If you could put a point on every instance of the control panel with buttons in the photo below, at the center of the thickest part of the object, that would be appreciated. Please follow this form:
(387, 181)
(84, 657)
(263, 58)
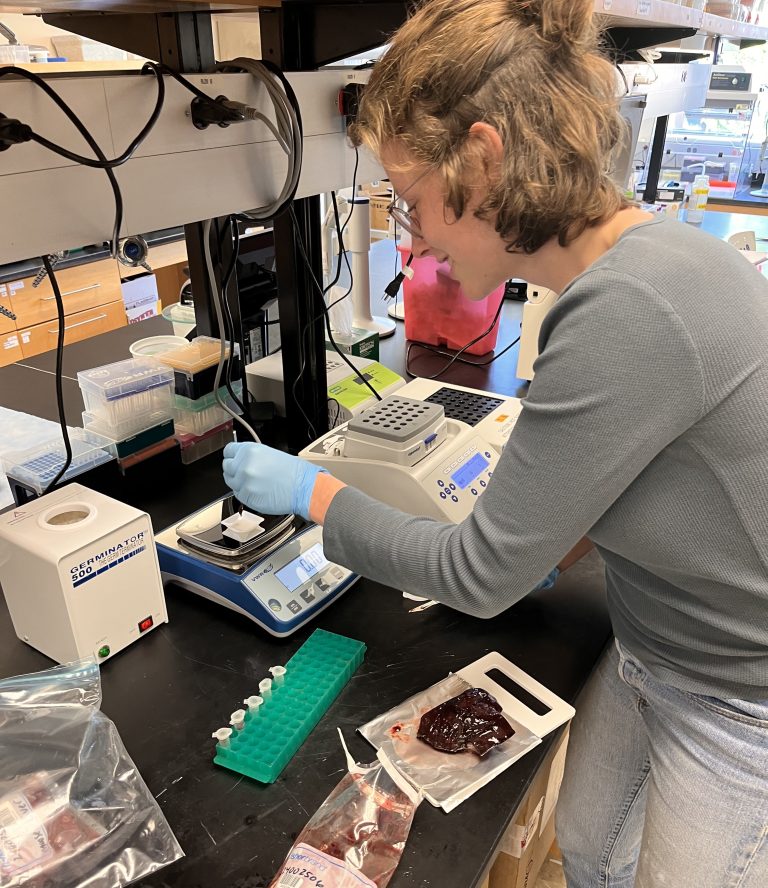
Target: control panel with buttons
(296, 578)
(462, 477)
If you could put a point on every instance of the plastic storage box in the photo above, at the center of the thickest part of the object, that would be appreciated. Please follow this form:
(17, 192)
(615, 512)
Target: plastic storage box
(196, 417)
(194, 366)
(37, 467)
(437, 311)
(181, 316)
(160, 428)
(194, 447)
(124, 397)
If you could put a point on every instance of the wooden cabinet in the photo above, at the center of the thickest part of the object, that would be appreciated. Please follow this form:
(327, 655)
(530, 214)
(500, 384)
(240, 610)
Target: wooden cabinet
(82, 287)
(77, 326)
(10, 348)
(93, 303)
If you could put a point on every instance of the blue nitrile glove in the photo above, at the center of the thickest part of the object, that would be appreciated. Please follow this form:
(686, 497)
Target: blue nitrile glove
(269, 481)
(547, 583)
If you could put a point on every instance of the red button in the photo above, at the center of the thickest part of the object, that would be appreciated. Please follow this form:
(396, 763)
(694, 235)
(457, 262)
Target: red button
(148, 623)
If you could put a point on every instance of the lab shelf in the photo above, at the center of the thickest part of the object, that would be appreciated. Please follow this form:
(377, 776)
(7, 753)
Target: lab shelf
(315, 676)
(652, 13)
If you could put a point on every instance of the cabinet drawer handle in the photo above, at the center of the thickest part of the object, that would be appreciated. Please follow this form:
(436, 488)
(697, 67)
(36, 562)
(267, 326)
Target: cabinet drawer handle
(72, 292)
(79, 323)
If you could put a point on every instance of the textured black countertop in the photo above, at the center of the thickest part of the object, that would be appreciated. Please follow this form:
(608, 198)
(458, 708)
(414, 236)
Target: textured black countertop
(167, 693)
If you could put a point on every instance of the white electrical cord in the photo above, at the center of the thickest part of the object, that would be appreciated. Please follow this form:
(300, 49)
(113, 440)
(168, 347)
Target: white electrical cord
(287, 133)
(217, 297)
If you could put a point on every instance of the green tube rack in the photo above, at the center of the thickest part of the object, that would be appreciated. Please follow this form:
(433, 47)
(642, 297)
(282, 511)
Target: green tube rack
(315, 675)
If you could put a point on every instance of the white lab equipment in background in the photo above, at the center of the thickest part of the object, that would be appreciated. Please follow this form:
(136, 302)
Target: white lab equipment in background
(348, 394)
(535, 310)
(357, 243)
(492, 416)
(408, 454)
(80, 574)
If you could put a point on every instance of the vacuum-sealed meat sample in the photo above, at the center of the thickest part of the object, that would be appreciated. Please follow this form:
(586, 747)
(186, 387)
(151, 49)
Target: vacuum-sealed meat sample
(473, 720)
(355, 838)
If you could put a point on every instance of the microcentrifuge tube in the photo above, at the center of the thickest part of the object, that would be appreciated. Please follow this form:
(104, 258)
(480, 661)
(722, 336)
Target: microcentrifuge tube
(278, 673)
(237, 719)
(265, 688)
(222, 735)
(253, 702)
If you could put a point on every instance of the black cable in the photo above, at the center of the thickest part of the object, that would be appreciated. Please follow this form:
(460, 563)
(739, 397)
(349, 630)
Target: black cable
(93, 144)
(230, 324)
(457, 355)
(302, 337)
(445, 354)
(59, 375)
(186, 84)
(325, 309)
(130, 150)
(332, 424)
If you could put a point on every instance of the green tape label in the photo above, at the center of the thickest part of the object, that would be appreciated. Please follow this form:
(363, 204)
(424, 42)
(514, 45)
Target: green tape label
(352, 390)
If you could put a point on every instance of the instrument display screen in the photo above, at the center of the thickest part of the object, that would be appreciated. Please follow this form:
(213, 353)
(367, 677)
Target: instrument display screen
(467, 473)
(298, 571)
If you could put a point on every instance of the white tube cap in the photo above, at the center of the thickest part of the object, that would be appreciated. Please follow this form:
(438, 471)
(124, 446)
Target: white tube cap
(222, 735)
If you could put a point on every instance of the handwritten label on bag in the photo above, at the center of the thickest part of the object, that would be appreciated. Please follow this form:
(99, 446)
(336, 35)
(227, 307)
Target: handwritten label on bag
(306, 867)
(23, 838)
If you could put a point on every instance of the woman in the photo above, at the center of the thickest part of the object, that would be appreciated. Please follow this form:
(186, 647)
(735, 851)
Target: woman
(645, 429)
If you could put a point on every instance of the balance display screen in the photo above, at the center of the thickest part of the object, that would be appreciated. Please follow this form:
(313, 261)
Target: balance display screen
(298, 571)
(469, 471)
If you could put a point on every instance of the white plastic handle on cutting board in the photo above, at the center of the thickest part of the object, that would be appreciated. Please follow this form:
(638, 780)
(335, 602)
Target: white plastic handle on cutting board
(476, 674)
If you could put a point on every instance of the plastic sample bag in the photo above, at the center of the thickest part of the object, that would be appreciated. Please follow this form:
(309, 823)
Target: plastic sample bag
(356, 837)
(73, 809)
(446, 779)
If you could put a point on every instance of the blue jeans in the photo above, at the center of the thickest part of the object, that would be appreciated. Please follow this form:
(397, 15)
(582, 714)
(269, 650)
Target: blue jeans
(663, 787)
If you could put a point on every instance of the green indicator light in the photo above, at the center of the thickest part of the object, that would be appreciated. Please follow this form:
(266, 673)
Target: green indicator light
(104, 651)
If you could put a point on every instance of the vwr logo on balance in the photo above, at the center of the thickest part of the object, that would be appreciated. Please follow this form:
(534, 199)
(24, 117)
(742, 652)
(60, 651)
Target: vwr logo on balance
(107, 559)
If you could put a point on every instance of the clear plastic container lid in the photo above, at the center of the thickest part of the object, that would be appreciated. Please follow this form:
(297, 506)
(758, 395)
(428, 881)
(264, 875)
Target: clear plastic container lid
(178, 313)
(127, 428)
(39, 465)
(129, 377)
(201, 353)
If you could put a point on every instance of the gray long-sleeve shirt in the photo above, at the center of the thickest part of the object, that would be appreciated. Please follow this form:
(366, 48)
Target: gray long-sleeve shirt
(645, 429)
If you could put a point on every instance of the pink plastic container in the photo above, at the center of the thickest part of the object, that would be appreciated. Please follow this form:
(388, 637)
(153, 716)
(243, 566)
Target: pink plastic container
(437, 311)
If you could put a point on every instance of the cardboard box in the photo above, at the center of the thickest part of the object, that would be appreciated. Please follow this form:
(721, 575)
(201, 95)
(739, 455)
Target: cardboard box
(527, 842)
(140, 297)
(361, 344)
(379, 215)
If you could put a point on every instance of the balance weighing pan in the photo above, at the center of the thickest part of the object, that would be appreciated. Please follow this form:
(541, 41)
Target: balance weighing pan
(204, 533)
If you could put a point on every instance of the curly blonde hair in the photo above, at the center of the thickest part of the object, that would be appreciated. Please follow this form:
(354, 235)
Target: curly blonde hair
(533, 70)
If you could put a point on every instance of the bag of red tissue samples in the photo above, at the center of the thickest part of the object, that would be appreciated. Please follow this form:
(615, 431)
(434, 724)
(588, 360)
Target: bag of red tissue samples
(356, 837)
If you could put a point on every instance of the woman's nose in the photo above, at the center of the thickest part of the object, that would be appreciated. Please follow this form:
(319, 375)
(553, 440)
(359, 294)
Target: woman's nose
(419, 247)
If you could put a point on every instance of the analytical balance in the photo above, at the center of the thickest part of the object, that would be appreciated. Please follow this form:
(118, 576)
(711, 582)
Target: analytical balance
(278, 576)
(410, 455)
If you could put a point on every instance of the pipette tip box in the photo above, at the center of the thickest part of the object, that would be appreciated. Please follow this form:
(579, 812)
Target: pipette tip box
(126, 397)
(315, 676)
(35, 468)
(194, 366)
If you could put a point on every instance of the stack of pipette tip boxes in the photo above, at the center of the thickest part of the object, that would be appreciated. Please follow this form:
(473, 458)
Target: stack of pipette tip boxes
(263, 737)
(130, 402)
(202, 424)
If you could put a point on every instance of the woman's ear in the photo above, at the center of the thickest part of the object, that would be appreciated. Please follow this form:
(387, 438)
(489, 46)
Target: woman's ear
(485, 142)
